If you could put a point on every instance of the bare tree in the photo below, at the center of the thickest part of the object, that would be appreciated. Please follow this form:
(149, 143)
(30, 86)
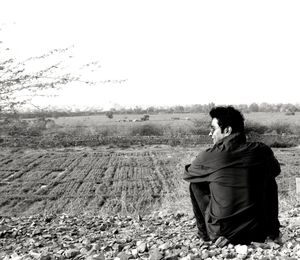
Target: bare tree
(21, 80)
(18, 84)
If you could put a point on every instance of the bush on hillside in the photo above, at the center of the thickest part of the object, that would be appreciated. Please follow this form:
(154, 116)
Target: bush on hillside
(281, 128)
(201, 127)
(147, 130)
(19, 127)
(255, 127)
(282, 144)
(180, 130)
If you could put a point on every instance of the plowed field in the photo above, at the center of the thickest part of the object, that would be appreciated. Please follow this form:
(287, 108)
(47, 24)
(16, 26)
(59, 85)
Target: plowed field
(105, 180)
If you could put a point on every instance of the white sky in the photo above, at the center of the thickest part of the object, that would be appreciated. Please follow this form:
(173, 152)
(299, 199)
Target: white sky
(170, 52)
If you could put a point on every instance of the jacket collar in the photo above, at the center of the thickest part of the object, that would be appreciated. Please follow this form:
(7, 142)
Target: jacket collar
(231, 141)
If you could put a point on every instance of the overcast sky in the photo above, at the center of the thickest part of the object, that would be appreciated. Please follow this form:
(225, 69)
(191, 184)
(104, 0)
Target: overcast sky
(167, 52)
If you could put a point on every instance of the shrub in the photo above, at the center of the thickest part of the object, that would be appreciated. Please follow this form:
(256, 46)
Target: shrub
(77, 130)
(147, 130)
(251, 126)
(201, 127)
(282, 144)
(295, 129)
(289, 113)
(20, 127)
(178, 130)
(281, 128)
(106, 131)
(109, 114)
(17, 128)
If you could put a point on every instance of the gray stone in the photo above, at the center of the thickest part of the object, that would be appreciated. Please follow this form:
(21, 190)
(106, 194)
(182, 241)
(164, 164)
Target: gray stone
(71, 253)
(155, 254)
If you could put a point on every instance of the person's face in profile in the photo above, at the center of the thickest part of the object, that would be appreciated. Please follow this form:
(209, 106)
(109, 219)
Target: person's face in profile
(216, 132)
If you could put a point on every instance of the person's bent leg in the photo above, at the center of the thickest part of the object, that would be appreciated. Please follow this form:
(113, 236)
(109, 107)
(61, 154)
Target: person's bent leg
(200, 196)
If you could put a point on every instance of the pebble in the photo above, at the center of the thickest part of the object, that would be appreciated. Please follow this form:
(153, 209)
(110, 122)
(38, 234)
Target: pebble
(71, 253)
(164, 246)
(142, 247)
(241, 249)
(155, 254)
(96, 257)
(134, 252)
(145, 241)
(122, 256)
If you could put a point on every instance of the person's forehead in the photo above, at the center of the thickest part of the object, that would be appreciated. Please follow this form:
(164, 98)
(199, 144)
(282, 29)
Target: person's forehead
(214, 122)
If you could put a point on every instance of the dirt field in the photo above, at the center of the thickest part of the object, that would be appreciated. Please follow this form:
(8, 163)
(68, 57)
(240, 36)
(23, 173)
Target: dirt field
(102, 179)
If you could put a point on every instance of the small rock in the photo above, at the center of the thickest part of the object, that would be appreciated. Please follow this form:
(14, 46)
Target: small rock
(260, 245)
(46, 257)
(164, 246)
(71, 253)
(126, 247)
(47, 236)
(188, 257)
(35, 255)
(241, 249)
(243, 256)
(230, 246)
(172, 257)
(122, 256)
(273, 245)
(96, 257)
(36, 232)
(103, 227)
(134, 252)
(178, 215)
(84, 251)
(195, 250)
(289, 245)
(106, 248)
(205, 254)
(115, 231)
(142, 247)
(128, 239)
(155, 254)
(15, 256)
(118, 247)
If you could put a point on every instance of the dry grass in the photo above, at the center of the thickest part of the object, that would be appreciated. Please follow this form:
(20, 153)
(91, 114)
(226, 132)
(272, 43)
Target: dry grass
(98, 130)
(166, 119)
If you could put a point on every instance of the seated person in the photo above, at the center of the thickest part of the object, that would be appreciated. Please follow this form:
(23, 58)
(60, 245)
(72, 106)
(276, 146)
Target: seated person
(232, 185)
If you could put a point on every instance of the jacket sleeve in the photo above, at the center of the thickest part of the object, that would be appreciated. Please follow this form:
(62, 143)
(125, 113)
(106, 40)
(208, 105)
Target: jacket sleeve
(273, 165)
(271, 203)
(196, 171)
(275, 168)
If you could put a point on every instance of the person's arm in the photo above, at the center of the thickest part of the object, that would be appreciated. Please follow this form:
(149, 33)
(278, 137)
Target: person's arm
(272, 224)
(273, 165)
(196, 171)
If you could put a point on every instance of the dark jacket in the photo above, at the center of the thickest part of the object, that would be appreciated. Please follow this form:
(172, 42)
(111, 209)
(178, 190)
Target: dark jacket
(244, 198)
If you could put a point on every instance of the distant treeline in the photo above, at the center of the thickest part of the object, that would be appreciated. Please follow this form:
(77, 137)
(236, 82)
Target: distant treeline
(196, 108)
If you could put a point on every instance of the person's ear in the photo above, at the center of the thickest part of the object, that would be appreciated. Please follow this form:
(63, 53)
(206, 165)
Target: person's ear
(228, 130)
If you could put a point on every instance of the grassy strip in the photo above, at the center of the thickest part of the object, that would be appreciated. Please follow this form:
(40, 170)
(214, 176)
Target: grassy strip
(18, 134)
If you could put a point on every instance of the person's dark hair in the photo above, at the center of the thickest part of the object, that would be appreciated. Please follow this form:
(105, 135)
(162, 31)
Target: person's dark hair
(228, 116)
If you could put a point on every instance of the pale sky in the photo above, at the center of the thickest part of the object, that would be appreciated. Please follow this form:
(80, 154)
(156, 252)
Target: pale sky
(167, 52)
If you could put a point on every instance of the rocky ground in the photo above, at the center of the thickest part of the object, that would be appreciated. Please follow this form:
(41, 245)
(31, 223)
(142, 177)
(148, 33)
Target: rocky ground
(156, 236)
